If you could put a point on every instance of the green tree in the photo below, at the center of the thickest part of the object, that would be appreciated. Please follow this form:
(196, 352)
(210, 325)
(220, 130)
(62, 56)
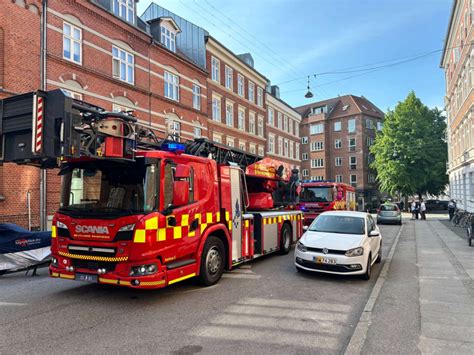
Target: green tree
(411, 151)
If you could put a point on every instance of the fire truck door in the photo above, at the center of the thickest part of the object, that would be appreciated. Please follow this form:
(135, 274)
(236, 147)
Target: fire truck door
(236, 212)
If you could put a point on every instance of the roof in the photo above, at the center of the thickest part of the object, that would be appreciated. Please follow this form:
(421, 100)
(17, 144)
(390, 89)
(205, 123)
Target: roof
(451, 19)
(284, 103)
(346, 213)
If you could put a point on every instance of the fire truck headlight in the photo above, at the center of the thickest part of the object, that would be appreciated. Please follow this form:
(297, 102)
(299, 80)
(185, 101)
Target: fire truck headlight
(142, 270)
(61, 225)
(54, 261)
(127, 228)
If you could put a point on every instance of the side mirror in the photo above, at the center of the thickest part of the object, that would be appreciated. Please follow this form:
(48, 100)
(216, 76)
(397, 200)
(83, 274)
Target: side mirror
(180, 193)
(374, 233)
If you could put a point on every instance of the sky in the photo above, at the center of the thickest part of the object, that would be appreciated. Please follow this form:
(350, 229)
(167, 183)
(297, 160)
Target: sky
(291, 39)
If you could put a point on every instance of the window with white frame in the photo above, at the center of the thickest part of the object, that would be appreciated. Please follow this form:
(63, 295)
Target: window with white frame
(251, 91)
(260, 150)
(260, 126)
(230, 142)
(297, 129)
(174, 129)
(241, 145)
(337, 144)
(228, 77)
(338, 178)
(297, 150)
(352, 163)
(216, 109)
(74, 95)
(196, 96)
(229, 114)
(217, 138)
(338, 161)
(317, 163)
(379, 126)
(317, 177)
(168, 38)
(353, 179)
(240, 85)
(304, 156)
(337, 126)
(370, 141)
(369, 124)
(315, 146)
(72, 43)
(260, 96)
(280, 119)
(252, 149)
(124, 9)
(252, 122)
(122, 65)
(292, 150)
(215, 69)
(197, 132)
(304, 172)
(290, 126)
(370, 178)
(171, 86)
(241, 120)
(280, 146)
(352, 144)
(285, 148)
(316, 128)
(270, 116)
(285, 123)
(351, 125)
(271, 143)
(304, 140)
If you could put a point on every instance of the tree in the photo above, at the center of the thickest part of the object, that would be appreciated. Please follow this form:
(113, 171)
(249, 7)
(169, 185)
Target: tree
(411, 151)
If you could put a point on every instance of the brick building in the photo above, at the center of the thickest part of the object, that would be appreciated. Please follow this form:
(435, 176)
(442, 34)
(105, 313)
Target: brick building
(335, 138)
(458, 63)
(101, 52)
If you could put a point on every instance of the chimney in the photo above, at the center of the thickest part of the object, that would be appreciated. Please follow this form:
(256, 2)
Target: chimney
(275, 91)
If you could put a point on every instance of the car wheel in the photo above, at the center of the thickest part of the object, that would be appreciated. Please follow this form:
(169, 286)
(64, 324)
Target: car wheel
(368, 270)
(212, 261)
(298, 269)
(379, 256)
(285, 242)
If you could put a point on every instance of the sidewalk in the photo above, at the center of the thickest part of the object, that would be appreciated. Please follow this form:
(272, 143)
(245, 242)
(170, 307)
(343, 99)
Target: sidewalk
(426, 304)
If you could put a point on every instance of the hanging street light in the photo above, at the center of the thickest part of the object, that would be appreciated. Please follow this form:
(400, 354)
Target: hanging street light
(309, 94)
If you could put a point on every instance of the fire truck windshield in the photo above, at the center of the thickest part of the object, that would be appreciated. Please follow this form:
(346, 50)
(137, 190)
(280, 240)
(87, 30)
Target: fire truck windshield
(108, 189)
(317, 194)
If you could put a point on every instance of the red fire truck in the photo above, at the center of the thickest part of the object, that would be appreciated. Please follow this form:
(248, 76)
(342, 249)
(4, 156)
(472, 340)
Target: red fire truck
(317, 196)
(141, 212)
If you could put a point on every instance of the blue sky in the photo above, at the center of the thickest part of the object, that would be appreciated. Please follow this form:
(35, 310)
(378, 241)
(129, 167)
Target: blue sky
(290, 39)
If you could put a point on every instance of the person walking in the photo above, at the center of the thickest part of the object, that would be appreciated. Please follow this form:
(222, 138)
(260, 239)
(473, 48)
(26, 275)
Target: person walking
(451, 208)
(417, 209)
(412, 209)
(423, 210)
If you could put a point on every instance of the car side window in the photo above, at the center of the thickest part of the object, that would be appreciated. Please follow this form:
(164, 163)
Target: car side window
(370, 223)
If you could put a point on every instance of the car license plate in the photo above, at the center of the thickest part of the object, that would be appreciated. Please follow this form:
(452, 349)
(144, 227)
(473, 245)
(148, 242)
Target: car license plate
(87, 278)
(323, 260)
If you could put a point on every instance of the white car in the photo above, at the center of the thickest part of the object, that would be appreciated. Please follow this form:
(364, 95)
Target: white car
(340, 242)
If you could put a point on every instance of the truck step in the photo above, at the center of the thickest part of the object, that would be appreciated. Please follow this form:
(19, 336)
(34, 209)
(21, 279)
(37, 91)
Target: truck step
(180, 263)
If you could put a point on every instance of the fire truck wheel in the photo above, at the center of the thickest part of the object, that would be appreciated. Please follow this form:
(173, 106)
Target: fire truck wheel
(212, 261)
(285, 242)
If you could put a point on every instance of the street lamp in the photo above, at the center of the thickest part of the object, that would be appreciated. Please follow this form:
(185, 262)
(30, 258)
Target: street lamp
(309, 94)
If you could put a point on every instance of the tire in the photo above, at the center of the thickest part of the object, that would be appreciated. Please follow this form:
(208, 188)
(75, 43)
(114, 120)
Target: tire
(285, 241)
(212, 261)
(368, 271)
(379, 256)
(3, 272)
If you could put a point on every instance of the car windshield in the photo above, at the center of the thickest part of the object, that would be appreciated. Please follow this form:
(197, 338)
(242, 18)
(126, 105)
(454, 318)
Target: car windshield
(316, 194)
(388, 208)
(338, 224)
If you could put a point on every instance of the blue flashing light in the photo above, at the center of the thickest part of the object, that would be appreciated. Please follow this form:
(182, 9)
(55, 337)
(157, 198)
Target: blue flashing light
(304, 181)
(173, 147)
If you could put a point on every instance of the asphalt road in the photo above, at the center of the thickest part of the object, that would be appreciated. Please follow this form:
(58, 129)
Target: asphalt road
(262, 307)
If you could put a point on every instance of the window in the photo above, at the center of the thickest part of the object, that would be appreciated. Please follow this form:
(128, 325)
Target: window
(317, 146)
(316, 128)
(125, 9)
(345, 107)
(215, 71)
(305, 173)
(290, 126)
(271, 143)
(216, 109)
(228, 77)
(260, 126)
(337, 144)
(285, 123)
(351, 125)
(260, 151)
(168, 38)
(196, 97)
(352, 144)
(338, 178)
(297, 129)
(317, 177)
(352, 163)
(251, 92)
(353, 180)
(241, 123)
(270, 116)
(260, 97)
(197, 132)
(370, 178)
(280, 146)
(241, 145)
(217, 138)
(230, 142)
(304, 140)
(252, 148)
(285, 147)
(280, 119)
(318, 110)
(338, 161)
(240, 85)
(337, 126)
(122, 65)
(73, 94)
(304, 156)
(252, 123)
(370, 141)
(379, 126)
(171, 86)
(297, 150)
(317, 163)
(174, 129)
(369, 124)
(229, 114)
(72, 43)
(292, 150)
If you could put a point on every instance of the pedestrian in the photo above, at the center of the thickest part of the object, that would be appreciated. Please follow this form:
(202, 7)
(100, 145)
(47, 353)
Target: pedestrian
(417, 209)
(451, 208)
(402, 205)
(423, 209)
(412, 209)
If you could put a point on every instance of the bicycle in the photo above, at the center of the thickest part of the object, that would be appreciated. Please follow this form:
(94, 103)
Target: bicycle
(469, 229)
(456, 217)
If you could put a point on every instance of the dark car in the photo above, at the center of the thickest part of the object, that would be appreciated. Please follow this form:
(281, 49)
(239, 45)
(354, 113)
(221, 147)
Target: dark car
(432, 205)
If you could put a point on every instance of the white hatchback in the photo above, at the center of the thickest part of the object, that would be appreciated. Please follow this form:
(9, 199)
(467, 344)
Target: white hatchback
(340, 242)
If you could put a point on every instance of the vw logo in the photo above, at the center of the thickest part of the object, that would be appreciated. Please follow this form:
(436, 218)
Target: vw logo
(325, 251)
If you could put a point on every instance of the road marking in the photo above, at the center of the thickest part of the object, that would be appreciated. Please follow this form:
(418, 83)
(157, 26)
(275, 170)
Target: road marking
(360, 333)
(240, 276)
(12, 304)
(296, 304)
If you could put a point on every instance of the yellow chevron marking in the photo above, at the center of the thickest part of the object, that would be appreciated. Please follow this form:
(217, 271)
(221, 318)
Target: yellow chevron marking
(181, 278)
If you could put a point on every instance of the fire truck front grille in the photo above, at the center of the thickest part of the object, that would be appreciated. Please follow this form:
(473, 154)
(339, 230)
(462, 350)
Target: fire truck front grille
(92, 251)
(93, 265)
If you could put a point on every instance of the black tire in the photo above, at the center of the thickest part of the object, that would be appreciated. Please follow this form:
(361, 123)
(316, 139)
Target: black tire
(212, 261)
(3, 272)
(368, 271)
(379, 256)
(285, 241)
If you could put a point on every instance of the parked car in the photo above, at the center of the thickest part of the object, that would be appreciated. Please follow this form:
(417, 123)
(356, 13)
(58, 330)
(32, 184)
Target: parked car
(432, 205)
(389, 213)
(340, 242)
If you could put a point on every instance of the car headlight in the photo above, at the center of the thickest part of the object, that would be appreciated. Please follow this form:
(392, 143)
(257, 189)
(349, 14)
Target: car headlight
(61, 225)
(127, 228)
(355, 252)
(301, 247)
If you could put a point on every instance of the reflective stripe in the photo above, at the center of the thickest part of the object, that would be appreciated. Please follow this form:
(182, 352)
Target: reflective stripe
(177, 232)
(92, 257)
(152, 283)
(151, 224)
(161, 234)
(53, 232)
(181, 278)
(185, 220)
(140, 236)
(209, 217)
(115, 282)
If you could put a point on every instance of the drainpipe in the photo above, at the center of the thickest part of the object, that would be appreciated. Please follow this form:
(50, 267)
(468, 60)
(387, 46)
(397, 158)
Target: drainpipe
(43, 188)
